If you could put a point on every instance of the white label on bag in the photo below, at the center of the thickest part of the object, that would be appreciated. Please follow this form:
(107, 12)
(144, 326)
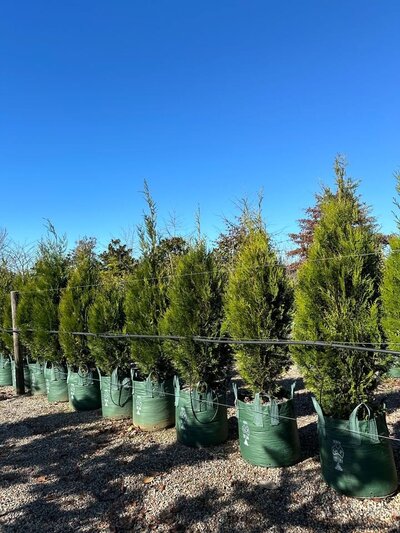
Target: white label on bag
(106, 399)
(245, 433)
(139, 405)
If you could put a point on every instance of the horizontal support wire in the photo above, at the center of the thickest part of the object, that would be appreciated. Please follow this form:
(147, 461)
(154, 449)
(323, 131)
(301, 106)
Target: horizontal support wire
(214, 340)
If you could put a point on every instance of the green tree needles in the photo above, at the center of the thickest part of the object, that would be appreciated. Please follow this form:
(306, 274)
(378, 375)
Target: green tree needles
(107, 313)
(391, 289)
(195, 309)
(40, 296)
(76, 301)
(258, 304)
(337, 299)
(146, 299)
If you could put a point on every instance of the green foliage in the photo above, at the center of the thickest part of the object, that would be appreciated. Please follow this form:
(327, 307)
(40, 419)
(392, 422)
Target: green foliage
(338, 300)
(6, 282)
(76, 301)
(25, 303)
(231, 240)
(117, 259)
(391, 295)
(107, 315)
(49, 278)
(39, 298)
(195, 309)
(258, 304)
(391, 287)
(146, 299)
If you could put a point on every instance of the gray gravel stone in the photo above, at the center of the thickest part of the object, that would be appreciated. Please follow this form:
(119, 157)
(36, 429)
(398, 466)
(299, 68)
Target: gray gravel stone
(64, 471)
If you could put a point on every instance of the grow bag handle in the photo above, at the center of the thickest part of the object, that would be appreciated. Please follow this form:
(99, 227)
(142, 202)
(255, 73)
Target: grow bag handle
(150, 388)
(99, 373)
(58, 371)
(51, 376)
(258, 414)
(354, 426)
(177, 388)
(321, 418)
(117, 384)
(85, 375)
(274, 411)
(209, 399)
(133, 380)
(235, 392)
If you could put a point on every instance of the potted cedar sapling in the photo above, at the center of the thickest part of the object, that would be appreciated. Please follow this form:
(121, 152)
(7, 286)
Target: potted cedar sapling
(107, 315)
(338, 300)
(195, 309)
(51, 274)
(146, 302)
(391, 293)
(83, 382)
(28, 295)
(258, 304)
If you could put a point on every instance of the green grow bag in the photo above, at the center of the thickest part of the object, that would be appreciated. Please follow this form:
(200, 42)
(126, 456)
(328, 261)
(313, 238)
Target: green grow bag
(38, 382)
(355, 460)
(201, 416)
(153, 404)
(56, 382)
(5, 371)
(27, 376)
(116, 396)
(268, 434)
(83, 390)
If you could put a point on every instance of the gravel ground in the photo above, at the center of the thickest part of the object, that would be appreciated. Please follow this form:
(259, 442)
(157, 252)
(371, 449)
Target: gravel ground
(64, 471)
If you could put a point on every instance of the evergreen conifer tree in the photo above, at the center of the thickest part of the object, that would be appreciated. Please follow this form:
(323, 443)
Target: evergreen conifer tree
(195, 309)
(258, 304)
(337, 299)
(107, 313)
(76, 301)
(391, 289)
(49, 279)
(146, 298)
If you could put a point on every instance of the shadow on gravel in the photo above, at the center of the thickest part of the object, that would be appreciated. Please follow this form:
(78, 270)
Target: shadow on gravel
(80, 469)
(76, 475)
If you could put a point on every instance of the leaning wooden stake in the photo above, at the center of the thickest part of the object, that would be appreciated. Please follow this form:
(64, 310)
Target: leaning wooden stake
(19, 362)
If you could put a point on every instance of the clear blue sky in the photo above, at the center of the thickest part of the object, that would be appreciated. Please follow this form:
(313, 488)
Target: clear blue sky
(207, 100)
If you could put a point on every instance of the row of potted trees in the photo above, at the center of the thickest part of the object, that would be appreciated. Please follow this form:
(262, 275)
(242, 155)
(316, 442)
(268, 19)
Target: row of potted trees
(180, 288)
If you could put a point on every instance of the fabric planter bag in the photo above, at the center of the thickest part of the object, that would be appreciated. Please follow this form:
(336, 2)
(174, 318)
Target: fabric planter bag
(116, 395)
(56, 382)
(38, 382)
(27, 376)
(355, 460)
(152, 404)
(5, 371)
(83, 390)
(201, 416)
(268, 434)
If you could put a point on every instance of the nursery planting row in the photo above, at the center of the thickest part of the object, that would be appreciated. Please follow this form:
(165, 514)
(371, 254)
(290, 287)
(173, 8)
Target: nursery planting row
(343, 291)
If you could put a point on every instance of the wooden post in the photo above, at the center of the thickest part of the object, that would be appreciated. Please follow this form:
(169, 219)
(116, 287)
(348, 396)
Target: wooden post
(19, 360)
